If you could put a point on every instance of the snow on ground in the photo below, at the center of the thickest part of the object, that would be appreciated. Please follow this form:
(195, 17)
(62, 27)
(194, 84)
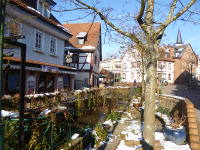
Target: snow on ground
(108, 122)
(75, 136)
(168, 145)
(122, 120)
(10, 114)
(134, 132)
(122, 146)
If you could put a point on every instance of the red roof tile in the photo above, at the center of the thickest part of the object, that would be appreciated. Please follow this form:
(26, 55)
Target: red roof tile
(93, 34)
(166, 59)
(38, 63)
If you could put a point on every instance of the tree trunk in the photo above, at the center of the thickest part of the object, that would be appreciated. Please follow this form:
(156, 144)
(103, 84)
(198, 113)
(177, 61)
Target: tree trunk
(150, 96)
(143, 90)
(143, 83)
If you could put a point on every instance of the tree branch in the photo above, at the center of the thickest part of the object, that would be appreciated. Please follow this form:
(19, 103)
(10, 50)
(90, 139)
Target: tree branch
(139, 16)
(69, 9)
(149, 12)
(172, 7)
(105, 19)
(170, 20)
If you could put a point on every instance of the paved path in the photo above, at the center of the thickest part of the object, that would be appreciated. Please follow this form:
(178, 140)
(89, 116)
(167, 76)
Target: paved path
(192, 94)
(112, 145)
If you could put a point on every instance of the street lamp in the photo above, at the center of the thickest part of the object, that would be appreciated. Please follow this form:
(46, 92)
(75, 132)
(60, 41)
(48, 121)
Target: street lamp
(7, 44)
(2, 19)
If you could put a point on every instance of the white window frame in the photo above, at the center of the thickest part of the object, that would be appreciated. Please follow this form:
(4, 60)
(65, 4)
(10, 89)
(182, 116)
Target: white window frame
(164, 76)
(42, 41)
(169, 77)
(44, 8)
(169, 66)
(55, 50)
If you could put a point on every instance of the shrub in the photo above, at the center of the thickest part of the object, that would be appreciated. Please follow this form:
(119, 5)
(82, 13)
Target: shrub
(113, 116)
(163, 110)
(101, 134)
(138, 91)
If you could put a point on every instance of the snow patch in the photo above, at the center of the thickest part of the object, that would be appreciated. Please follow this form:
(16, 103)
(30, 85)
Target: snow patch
(63, 28)
(45, 112)
(5, 113)
(122, 146)
(88, 47)
(75, 136)
(81, 34)
(31, 8)
(108, 122)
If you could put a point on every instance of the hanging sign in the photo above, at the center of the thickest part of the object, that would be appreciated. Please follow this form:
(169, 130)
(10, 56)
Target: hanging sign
(68, 59)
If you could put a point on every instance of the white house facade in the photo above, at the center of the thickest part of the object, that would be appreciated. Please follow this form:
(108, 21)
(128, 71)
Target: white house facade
(129, 67)
(32, 23)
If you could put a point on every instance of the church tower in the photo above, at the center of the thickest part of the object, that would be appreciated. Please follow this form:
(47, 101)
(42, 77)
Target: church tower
(179, 40)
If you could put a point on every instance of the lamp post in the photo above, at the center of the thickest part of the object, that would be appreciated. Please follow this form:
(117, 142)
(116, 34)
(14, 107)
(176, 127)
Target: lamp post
(9, 43)
(2, 19)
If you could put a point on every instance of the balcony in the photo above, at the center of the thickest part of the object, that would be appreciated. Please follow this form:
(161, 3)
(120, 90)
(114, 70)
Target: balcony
(13, 30)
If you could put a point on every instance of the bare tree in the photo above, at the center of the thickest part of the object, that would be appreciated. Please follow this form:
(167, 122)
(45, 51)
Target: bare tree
(153, 30)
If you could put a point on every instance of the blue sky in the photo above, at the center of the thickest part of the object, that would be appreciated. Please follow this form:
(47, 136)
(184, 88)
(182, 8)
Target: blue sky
(190, 32)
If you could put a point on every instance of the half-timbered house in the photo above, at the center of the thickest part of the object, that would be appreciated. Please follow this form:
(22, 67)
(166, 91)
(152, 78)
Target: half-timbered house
(83, 51)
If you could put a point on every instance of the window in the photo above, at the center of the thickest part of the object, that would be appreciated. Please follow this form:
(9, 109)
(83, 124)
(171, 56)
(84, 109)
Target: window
(95, 60)
(43, 8)
(46, 11)
(40, 8)
(117, 65)
(75, 58)
(38, 40)
(166, 55)
(124, 66)
(53, 46)
(164, 75)
(86, 82)
(124, 75)
(31, 86)
(60, 83)
(164, 65)
(169, 76)
(169, 66)
(134, 64)
(160, 66)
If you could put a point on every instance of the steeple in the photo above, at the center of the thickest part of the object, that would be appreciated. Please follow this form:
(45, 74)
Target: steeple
(179, 38)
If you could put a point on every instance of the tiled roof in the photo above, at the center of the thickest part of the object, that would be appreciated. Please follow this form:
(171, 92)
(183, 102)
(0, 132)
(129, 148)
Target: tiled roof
(93, 34)
(166, 59)
(31, 10)
(38, 63)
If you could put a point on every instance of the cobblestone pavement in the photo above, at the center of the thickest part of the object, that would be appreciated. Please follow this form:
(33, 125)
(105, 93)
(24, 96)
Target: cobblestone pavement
(192, 94)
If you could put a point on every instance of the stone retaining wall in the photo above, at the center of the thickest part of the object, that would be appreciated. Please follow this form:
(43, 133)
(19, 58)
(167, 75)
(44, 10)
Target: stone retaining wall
(192, 128)
(187, 108)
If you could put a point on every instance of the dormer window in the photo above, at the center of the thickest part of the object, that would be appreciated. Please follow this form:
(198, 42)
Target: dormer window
(44, 8)
(81, 37)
